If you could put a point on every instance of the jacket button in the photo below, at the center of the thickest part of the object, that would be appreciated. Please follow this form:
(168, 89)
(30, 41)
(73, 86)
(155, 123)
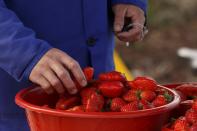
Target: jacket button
(91, 41)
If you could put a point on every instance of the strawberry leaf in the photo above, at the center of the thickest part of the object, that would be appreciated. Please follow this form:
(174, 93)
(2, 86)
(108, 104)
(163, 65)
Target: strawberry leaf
(138, 94)
(168, 97)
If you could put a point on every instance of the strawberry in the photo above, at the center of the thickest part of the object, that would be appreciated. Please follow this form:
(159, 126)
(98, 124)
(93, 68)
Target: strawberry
(191, 116)
(111, 89)
(133, 106)
(166, 129)
(84, 100)
(168, 97)
(131, 84)
(143, 104)
(95, 103)
(94, 83)
(166, 94)
(143, 83)
(193, 127)
(148, 95)
(76, 109)
(160, 100)
(112, 76)
(194, 105)
(86, 93)
(132, 95)
(65, 103)
(160, 91)
(89, 73)
(116, 104)
(181, 124)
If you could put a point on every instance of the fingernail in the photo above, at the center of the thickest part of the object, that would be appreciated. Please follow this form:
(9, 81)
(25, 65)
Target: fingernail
(84, 83)
(117, 28)
(73, 91)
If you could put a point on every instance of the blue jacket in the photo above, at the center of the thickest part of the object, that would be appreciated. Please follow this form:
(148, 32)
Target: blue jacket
(29, 28)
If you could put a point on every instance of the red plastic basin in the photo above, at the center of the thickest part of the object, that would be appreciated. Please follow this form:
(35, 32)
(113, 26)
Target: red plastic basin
(174, 85)
(184, 105)
(44, 119)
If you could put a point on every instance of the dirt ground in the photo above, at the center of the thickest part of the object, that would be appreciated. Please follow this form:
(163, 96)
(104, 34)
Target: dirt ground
(156, 56)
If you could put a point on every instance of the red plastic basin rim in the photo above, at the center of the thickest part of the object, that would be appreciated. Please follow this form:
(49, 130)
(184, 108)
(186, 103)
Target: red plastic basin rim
(149, 112)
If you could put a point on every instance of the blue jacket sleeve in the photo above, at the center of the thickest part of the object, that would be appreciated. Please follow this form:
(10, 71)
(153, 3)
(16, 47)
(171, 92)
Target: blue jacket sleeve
(140, 3)
(20, 50)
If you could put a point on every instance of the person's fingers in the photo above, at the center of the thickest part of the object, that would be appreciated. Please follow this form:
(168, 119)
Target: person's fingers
(64, 76)
(78, 73)
(44, 84)
(137, 18)
(54, 81)
(132, 35)
(119, 18)
(136, 33)
(75, 69)
(53, 66)
(135, 14)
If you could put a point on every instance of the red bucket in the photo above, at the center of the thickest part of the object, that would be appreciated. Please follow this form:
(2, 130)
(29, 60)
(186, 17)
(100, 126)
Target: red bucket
(44, 119)
(184, 105)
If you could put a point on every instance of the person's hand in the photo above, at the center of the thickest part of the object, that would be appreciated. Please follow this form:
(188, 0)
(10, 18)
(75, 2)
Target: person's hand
(136, 15)
(53, 70)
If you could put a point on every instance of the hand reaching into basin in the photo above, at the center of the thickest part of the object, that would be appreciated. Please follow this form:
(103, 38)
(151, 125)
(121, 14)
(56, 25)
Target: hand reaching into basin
(53, 70)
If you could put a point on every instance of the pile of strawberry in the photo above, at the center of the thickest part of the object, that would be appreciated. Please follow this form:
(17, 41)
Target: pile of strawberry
(111, 92)
(184, 123)
(184, 118)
